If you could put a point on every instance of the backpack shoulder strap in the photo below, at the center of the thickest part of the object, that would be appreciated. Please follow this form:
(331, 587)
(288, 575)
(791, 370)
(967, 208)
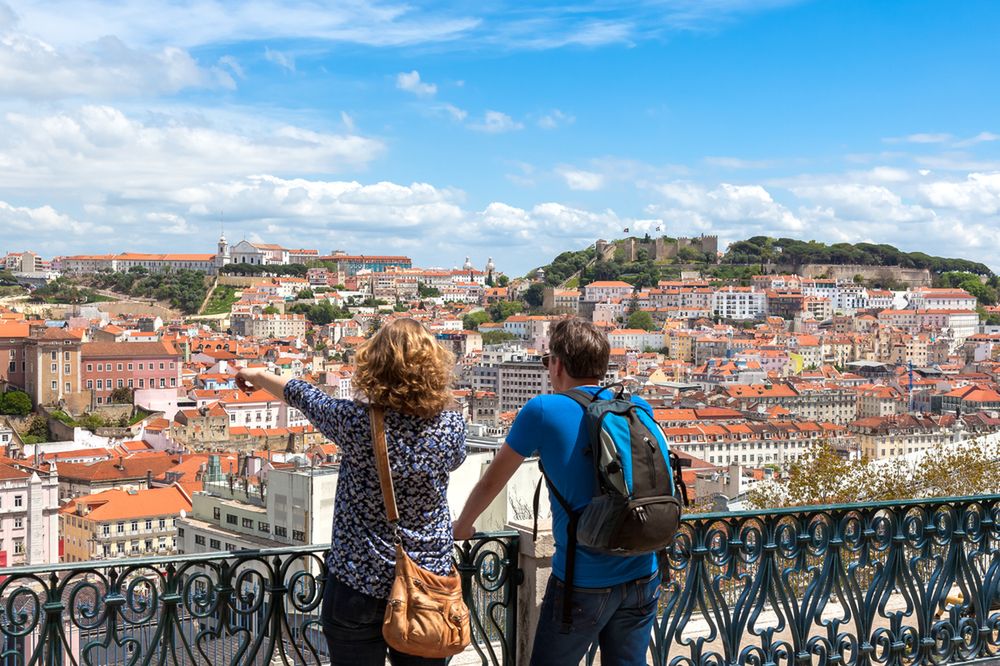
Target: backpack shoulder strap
(581, 397)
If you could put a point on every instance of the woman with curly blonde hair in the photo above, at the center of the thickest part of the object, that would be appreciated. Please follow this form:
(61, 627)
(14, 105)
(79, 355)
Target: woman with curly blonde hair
(404, 370)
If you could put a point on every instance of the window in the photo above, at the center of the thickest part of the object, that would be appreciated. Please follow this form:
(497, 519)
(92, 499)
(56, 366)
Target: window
(18, 523)
(107, 550)
(180, 532)
(66, 369)
(120, 367)
(298, 535)
(90, 383)
(68, 387)
(163, 524)
(217, 513)
(135, 525)
(149, 524)
(214, 544)
(100, 367)
(231, 519)
(248, 522)
(55, 385)
(149, 544)
(55, 367)
(263, 527)
(129, 366)
(199, 539)
(18, 500)
(100, 383)
(121, 383)
(161, 366)
(141, 383)
(106, 530)
(66, 356)
(280, 531)
(121, 547)
(131, 383)
(18, 546)
(12, 367)
(163, 383)
(54, 356)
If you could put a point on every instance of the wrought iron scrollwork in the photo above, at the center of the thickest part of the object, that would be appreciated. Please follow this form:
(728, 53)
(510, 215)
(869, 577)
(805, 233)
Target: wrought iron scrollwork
(235, 609)
(899, 583)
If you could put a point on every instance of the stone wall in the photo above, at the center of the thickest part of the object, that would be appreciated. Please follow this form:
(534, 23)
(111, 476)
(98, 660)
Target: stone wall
(911, 277)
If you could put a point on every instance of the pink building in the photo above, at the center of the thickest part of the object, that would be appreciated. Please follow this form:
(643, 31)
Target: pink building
(29, 515)
(13, 335)
(135, 365)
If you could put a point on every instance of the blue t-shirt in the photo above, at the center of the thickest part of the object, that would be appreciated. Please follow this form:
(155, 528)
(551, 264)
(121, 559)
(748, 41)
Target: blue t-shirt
(553, 426)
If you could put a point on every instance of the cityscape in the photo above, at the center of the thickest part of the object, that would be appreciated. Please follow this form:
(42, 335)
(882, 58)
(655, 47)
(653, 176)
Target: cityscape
(778, 217)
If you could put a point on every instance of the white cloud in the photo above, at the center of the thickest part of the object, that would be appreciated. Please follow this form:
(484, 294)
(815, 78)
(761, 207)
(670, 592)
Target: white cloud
(100, 148)
(922, 137)
(284, 60)
(410, 82)
(979, 193)
(555, 119)
(738, 163)
(730, 203)
(864, 202)
(577, 179)
(982, 137)
(33, 69)
(32, 222)
(452, 111)
(495, 122)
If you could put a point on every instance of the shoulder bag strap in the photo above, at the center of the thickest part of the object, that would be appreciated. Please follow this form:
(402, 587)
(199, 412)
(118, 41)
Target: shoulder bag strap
(377, 415)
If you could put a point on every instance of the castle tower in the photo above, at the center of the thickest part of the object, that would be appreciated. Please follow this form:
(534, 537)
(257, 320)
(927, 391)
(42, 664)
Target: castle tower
(490, 270)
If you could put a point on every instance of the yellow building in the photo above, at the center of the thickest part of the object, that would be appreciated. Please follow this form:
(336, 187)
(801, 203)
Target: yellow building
(118, 523)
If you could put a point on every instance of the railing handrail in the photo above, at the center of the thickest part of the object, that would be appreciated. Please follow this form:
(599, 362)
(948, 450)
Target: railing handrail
(248, 553)
(850, 506)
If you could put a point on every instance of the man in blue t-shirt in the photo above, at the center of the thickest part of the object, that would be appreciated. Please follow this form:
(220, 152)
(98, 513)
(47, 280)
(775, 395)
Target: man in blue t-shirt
(614, 599)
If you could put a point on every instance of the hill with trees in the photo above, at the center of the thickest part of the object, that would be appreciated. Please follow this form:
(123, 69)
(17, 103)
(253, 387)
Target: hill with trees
(745, 258)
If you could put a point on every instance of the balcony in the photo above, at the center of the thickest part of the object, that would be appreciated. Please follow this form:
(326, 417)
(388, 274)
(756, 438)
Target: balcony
(900, 583)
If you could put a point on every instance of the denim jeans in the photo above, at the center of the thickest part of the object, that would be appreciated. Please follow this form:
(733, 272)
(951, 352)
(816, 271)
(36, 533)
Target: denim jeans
(352, 624)
(619, 619)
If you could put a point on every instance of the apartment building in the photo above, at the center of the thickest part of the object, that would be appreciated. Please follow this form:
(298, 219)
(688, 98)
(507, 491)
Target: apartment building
(52, 372)
(29, 525)
(122, 523)
(135, 365)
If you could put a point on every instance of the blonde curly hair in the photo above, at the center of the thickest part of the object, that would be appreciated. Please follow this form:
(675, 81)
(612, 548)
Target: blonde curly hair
(404, 368)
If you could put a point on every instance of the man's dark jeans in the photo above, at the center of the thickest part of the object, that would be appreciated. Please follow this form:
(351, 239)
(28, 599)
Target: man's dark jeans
(352, 623)
(619, 619)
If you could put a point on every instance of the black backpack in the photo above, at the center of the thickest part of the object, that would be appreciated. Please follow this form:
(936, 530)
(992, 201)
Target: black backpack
(637, 505)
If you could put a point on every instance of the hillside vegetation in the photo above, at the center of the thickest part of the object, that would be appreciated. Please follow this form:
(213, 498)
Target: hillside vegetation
(745, 258)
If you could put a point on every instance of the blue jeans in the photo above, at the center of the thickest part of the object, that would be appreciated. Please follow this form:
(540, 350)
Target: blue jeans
(619, 619)
(352, 624)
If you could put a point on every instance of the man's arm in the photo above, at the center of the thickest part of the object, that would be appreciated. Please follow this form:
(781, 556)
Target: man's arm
(497, 475)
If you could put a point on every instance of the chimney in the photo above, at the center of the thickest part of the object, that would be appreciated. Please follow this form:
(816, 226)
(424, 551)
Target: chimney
(149, 478)
(121, 464)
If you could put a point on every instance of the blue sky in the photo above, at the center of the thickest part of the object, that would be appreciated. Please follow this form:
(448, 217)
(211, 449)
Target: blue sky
(502, 129)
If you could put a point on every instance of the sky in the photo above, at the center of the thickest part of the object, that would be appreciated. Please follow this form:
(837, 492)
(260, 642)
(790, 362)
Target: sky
(497, 128)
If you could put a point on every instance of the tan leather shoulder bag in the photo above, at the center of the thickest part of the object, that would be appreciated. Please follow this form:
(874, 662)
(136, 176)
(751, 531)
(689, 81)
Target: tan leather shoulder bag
(426, 615)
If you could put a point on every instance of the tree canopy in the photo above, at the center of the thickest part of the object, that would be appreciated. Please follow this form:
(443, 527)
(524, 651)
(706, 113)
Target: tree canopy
(15, 403)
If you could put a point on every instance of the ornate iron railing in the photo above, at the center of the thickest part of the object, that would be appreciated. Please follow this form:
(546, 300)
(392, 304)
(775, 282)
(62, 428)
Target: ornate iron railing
(238, 608)
(897, 583)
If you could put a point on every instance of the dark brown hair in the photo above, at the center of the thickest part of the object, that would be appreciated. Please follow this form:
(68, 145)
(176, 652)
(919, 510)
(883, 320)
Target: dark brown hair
(582, 348)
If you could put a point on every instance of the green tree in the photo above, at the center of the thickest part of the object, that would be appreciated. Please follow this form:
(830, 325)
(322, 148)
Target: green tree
(426, 291)
(305, 294)
(502, 309)
(535, 295)
(502, 280)
(16, 403)
(39, 427)
(641, 319)
(270, 309)
(122, 395)
(471, 321)
(497, 337)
